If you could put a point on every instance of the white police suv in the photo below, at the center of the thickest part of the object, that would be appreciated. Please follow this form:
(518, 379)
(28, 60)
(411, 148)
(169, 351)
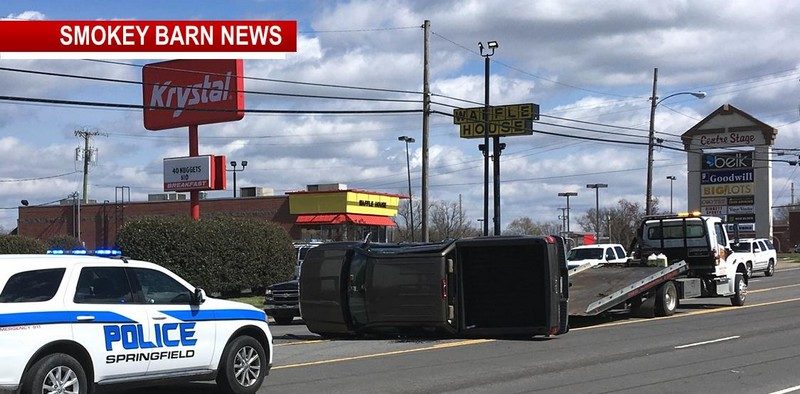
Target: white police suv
(68, 323)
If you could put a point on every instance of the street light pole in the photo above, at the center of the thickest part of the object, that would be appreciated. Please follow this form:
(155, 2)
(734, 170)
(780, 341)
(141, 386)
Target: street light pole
(407, 140)
(492, 45)
(654, 102)
(671, 179)
(597, 187)
(234, 170)
(568, 195)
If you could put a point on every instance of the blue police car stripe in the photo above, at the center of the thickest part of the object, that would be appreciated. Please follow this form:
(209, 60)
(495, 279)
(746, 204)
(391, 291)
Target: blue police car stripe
(217, 314)
(59, 317)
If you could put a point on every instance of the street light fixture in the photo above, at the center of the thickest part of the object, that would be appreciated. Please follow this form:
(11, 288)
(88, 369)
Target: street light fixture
(568, 195)
(654, 102)
(235, 170)
(408, 140)
(492, 45)
(671, 179)
(596, 187)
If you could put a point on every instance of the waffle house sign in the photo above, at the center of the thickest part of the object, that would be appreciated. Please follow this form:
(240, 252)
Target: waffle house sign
(504, 120)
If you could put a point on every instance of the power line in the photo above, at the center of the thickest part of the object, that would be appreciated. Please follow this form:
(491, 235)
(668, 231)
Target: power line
(558, 176)
(594, 123)
(254, 92)
(256, 111)
(529, 73)
(36, 205)
(37, 178)
(326, 85)
(359, 30)
(382, 130)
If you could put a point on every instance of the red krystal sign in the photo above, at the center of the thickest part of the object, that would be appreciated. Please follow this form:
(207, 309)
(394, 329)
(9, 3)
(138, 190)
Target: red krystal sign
(180, 93)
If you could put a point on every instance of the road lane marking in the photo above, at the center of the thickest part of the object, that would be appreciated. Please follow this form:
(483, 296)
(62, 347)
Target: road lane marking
(788, 269)
(703, 312)
(480, 341)
(772, 288)
(707, 342)
(396, 352)
(789, 390)
(301, 342)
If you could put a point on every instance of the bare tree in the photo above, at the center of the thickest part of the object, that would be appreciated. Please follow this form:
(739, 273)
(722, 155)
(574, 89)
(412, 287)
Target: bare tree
(449, 220)
(618, 224)
(402, 220)
(527, 226)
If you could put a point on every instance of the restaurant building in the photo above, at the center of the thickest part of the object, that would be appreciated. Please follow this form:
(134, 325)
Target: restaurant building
(326, 212)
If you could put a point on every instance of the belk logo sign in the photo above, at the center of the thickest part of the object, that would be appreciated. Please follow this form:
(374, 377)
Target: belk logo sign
(721, 161)
(181, 93)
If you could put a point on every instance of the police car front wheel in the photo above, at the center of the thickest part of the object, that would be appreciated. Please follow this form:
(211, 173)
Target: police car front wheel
(243, 366)
(57, 373)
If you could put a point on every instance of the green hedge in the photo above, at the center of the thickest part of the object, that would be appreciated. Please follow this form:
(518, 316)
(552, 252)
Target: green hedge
(64, 242)
(18, 244)
(223, 255)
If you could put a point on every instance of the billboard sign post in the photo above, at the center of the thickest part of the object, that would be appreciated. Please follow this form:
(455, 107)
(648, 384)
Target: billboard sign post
(188, 93)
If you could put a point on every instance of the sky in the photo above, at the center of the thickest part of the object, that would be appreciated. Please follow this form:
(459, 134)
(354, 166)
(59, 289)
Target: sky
(589, 65)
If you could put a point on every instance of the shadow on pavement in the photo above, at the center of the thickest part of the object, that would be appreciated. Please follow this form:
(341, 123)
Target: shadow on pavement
(186, 388)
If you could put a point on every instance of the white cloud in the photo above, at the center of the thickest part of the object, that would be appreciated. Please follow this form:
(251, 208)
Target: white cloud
(26, 15)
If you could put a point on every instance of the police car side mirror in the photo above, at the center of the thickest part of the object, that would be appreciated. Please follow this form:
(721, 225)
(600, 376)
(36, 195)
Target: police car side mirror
(198, 297)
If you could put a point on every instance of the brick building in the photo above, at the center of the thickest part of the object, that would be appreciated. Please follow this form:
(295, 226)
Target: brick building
(326, 212)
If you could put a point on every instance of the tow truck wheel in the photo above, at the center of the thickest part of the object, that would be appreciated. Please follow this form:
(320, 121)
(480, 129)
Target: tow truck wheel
(740, 289)
(666, 299)
(770, 268)
(243, 366)
(57, 373)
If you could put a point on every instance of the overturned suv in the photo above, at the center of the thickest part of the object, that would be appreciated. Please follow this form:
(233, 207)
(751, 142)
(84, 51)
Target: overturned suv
(69, 323)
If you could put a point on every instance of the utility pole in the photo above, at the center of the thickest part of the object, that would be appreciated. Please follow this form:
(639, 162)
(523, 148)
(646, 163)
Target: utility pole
(426, 108)
(648, 210)
(87, 156)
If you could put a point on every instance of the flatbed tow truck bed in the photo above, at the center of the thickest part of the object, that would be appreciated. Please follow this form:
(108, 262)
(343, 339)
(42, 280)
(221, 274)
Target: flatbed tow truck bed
(596, 289)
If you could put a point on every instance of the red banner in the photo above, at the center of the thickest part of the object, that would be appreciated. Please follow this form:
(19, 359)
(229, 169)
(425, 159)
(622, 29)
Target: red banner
(254, 36)
(179, 93)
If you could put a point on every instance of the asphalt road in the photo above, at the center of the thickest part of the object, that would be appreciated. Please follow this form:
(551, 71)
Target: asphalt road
(707, 346)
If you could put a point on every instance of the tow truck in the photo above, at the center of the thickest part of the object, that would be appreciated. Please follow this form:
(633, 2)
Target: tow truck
(695, 261)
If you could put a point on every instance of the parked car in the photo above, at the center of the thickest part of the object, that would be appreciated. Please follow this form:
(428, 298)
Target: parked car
(282, 300)
(759, 254)
(596, 254)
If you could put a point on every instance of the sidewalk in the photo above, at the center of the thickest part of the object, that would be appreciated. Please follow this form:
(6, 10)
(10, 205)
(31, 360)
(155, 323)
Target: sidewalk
(787, 262)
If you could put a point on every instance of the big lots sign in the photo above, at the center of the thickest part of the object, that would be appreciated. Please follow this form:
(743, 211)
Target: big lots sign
(179, 93)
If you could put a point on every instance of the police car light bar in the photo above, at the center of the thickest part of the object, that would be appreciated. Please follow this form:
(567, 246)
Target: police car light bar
(98, 252)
